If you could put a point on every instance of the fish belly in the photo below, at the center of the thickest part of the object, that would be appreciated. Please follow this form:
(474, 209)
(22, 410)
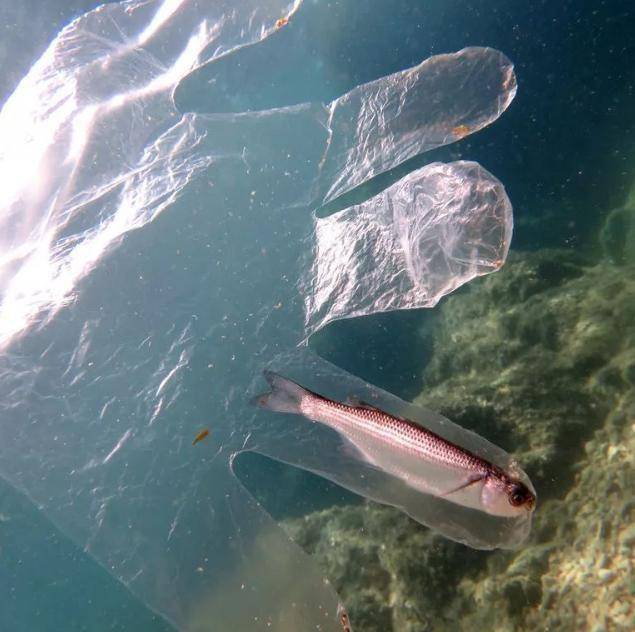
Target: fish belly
(414, 468)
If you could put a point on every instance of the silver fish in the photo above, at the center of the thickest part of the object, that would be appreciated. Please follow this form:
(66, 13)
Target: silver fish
(421, 458)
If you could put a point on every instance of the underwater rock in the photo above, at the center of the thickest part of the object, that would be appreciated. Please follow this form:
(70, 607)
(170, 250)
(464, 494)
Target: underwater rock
(540, 359)
(617, 236)
(391, 572)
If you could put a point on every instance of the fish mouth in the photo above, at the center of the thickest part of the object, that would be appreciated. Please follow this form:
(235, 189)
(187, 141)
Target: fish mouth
(530, 505)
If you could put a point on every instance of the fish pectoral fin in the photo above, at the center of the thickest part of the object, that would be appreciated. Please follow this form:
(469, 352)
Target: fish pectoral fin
(470, 481)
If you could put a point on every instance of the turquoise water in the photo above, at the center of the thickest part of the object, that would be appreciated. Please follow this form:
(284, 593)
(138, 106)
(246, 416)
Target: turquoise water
(538, 357)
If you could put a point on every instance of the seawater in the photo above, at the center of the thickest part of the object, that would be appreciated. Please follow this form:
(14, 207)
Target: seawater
(564, 153)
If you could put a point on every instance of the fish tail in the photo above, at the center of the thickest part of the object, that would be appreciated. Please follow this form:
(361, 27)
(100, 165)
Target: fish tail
(285, 396)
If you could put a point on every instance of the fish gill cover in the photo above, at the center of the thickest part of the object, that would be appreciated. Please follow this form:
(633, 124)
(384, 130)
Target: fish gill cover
(118, 346)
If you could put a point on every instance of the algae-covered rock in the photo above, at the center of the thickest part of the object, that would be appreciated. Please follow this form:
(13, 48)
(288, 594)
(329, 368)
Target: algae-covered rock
(392, 573)
(539, 358)
(515, 356)
(617, 237)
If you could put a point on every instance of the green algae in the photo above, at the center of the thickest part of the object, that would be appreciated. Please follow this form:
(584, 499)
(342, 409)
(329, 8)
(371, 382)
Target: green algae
(617, 236)
(539, 358)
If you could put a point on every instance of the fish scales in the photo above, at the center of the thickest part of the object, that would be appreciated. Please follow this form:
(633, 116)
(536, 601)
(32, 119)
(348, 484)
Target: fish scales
(399, 432)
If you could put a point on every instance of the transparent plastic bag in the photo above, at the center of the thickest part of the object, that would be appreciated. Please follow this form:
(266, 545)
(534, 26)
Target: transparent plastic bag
(154, 261)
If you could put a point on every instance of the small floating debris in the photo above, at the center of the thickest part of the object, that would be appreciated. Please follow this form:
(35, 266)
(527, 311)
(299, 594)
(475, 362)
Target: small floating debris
(200, 436)
(282, 22)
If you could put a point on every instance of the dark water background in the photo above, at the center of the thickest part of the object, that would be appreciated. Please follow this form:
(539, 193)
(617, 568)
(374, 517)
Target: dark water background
(564, 151)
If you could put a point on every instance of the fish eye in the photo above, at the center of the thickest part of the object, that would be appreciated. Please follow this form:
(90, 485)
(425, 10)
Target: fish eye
(517, 495)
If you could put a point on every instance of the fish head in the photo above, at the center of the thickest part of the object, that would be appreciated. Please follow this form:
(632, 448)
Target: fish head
(507, 497)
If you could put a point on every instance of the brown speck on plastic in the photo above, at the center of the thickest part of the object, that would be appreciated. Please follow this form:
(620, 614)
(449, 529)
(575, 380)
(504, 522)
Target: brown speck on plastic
(461, 131)
(344, 620)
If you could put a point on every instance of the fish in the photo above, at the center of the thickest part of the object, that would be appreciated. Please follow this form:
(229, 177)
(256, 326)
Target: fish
(402, 448)
(200, 436)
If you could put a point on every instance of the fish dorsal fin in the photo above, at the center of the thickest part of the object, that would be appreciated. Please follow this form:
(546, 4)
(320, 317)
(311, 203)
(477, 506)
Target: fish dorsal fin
(355, 402)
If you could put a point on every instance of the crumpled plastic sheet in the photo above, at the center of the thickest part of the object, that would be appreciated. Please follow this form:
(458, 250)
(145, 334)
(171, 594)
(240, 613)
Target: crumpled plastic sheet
(421, 238)
(154, 261)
